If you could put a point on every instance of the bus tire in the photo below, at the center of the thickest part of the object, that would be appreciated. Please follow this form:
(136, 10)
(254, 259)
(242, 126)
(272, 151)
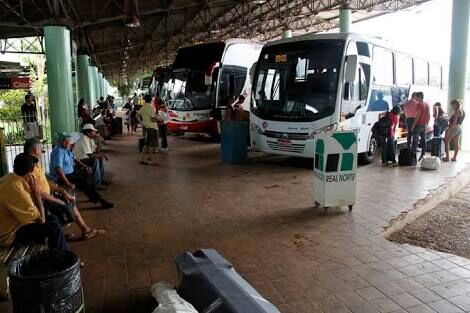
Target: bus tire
(369, 156)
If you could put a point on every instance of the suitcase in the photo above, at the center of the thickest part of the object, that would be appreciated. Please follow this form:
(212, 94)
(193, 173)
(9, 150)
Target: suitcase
(436, 147)
(406, 157)
(141, 144)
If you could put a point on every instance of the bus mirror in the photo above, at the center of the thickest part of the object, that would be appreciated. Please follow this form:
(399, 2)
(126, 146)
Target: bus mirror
(351, 68)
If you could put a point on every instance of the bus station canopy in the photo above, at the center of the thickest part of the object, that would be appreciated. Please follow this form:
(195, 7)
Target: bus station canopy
(138, 34)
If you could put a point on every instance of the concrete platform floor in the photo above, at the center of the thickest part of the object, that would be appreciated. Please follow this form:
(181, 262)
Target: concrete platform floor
(260, 217)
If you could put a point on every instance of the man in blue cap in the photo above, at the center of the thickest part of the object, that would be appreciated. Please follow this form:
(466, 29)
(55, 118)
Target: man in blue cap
(65, 169)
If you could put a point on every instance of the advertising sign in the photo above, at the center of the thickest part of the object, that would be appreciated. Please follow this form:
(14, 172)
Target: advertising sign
(20, 83)
(15, 83)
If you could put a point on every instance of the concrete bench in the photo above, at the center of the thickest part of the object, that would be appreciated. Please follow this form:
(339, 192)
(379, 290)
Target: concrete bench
(211, 284)
(8, 255)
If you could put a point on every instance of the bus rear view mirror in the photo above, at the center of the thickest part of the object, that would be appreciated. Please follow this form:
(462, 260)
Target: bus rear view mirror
(351, 68)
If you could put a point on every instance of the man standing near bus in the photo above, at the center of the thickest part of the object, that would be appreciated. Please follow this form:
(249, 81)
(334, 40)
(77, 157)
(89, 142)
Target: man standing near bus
(410, 108)
(420, 125)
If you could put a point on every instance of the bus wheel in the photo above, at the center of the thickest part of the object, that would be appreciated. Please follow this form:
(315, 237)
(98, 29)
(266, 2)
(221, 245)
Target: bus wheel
(369, 156)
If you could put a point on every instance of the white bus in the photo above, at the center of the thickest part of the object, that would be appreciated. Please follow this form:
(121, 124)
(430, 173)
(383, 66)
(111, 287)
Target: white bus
(305, 84)
(207, 76)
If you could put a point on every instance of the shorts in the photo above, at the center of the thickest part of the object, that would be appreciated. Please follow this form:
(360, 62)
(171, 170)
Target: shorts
(455, 131)
(151, 138)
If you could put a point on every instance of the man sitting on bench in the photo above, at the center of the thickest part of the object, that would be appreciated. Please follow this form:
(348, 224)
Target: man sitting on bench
(56, 200)
(62, 171)
(22, 216)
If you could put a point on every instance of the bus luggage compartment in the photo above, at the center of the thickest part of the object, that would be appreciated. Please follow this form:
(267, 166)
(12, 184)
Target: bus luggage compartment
(211, 284)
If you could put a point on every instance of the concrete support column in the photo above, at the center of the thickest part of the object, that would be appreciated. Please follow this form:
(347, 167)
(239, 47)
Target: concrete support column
(100, 85)
(84, 90)
(458, 51)
(59, 78)
(94, 71)
(91, 82)
(345, 20)
(106, 86)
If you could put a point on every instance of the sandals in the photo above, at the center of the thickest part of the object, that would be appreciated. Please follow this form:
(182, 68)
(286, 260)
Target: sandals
(92, 233)
(445, 159)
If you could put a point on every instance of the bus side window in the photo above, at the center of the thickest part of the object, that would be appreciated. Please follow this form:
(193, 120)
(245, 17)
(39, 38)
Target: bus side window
(380, 99)
(358, 89)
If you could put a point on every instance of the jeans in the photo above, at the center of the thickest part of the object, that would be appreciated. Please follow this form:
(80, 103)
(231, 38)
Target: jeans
(163, 129)
(388, 150)
(438, 130)
(35, 232)
(419, 131)
(409, 123)
(97, 166)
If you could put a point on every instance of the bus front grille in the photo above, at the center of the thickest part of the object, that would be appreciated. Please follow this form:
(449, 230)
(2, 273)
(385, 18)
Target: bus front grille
(295, 148)
(290, 136)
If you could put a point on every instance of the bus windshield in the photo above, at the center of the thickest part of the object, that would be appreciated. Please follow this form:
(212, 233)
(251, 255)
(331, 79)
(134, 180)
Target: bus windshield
(188, 91)
(297, 81)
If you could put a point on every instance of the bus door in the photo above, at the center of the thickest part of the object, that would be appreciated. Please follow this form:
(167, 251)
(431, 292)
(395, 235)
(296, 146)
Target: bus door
(232, 79)
(355, 92)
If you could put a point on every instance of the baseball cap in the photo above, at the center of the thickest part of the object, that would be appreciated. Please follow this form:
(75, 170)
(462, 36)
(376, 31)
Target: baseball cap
(89, 127)
(63, 135)
(24, 164)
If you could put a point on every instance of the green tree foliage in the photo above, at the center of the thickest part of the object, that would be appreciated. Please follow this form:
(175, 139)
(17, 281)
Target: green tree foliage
(10, 102)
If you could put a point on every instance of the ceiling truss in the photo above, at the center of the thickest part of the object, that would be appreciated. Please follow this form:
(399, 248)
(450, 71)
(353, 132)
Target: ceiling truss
(99, 26)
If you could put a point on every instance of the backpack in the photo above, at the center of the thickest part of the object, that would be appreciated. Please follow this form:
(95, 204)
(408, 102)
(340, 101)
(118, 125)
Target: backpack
(382, 127)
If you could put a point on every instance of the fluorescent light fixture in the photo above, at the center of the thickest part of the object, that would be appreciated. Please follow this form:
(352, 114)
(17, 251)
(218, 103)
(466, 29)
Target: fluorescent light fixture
(133, 21)
(259, 1)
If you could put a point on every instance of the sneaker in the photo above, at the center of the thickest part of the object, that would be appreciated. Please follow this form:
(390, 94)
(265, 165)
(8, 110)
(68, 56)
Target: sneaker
(164, 149)
(106, 205)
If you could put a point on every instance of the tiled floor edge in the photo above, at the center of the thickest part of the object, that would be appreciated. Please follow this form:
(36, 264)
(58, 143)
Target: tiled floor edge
(445, 191)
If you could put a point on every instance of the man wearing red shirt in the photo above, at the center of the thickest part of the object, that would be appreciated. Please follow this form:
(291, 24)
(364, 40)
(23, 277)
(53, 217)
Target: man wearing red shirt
(419, 126)
(388, 141)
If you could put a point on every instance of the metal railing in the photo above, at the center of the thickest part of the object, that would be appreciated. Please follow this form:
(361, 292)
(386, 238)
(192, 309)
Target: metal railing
(14, 132)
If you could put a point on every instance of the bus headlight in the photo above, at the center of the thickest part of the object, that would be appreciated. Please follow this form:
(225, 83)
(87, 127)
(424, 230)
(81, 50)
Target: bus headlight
(321, 130)
(256, 128)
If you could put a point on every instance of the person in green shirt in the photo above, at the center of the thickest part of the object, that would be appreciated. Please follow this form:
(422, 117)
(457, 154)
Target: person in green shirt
(149, 118)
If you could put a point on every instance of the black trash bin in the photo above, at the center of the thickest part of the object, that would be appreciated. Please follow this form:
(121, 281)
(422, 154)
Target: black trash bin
(46, 282)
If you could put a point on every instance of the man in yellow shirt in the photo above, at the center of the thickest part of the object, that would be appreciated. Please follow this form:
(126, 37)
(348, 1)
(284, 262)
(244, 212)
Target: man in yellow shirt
(148, 117)
(64, 206)
(22, 216)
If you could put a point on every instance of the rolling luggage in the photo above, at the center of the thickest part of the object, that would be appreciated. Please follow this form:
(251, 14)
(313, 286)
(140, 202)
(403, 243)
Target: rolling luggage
(406, 157)
(436, 147)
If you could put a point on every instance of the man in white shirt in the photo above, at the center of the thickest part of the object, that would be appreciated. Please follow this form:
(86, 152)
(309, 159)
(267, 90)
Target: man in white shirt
(85, 150)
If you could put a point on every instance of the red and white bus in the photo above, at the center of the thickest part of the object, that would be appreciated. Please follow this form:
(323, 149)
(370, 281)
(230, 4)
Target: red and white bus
(205, 77)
